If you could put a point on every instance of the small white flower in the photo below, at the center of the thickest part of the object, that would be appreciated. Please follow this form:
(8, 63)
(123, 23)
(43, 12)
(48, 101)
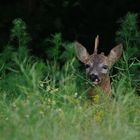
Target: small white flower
(76, 94)
(41, 85)
(80, 97)
(6, 118)
(27, 116)
(59, 109)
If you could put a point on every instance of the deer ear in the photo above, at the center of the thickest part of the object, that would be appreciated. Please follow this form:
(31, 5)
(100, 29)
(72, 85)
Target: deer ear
(81, 52)
(115, 54)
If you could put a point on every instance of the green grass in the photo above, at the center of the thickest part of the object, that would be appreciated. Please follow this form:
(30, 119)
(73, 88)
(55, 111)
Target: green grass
(52, 104)
(47, 101)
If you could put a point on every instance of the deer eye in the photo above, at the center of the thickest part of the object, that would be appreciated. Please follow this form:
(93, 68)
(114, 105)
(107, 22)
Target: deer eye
(87, 66)
(105, 67)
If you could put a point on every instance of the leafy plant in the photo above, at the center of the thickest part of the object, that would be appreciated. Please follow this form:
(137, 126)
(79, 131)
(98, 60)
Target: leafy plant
(19, 32)
(47, 100)
(129, 35)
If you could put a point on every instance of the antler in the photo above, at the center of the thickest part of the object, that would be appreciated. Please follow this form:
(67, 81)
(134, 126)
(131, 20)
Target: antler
(96, 44)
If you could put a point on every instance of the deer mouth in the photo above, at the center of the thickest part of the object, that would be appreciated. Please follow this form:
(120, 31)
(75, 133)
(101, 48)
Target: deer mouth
(95, 79)
(96, 82)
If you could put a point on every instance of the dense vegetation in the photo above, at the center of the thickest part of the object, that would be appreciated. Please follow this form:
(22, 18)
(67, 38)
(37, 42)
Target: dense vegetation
(46, 99)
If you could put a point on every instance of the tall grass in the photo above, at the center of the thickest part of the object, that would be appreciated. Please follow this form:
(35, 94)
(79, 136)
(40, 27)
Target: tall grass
(47, 100)
(129, 35)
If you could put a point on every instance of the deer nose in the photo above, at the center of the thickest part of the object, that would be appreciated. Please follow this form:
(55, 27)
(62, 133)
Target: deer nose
(94, 78)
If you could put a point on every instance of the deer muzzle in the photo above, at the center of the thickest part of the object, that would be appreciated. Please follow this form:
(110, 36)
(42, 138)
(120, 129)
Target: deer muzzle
(95, 79)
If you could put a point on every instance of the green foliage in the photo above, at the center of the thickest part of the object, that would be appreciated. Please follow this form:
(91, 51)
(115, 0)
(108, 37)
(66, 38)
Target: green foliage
(17, 67)
(129, 35)
(19, 32)
(55, 46)
(60, 54)
(47, 100)
(57, 50)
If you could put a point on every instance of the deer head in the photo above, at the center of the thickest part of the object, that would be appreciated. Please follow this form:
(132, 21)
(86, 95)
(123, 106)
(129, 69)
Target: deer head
(98, 65)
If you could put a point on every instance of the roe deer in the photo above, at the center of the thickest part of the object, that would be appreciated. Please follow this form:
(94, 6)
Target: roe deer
(98, 65)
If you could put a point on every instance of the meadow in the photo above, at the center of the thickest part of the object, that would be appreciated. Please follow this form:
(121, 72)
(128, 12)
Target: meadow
(47, 99)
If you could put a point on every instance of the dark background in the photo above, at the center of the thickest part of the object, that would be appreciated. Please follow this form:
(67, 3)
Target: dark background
(78, 20)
